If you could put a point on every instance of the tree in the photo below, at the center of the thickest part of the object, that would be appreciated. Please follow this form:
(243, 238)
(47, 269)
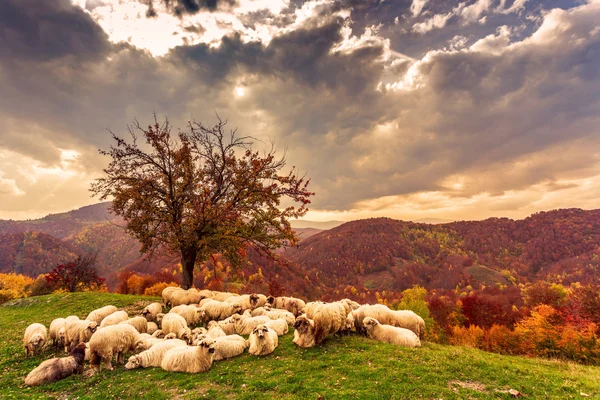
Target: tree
(201, 192)
(76, 275)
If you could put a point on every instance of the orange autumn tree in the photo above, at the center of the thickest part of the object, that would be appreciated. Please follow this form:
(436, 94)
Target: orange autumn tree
(200, 192)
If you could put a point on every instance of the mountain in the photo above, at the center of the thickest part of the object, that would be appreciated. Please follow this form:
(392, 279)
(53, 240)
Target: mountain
(315, 224)
(366, 255)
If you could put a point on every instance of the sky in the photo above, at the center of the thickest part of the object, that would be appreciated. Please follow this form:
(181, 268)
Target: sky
(408, 109)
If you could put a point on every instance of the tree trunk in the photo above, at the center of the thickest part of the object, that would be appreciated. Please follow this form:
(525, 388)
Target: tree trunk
(188, 260)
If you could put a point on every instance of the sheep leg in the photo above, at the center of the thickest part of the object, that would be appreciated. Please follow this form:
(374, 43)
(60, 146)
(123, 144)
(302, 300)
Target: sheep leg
(121, 358)
(107, 364)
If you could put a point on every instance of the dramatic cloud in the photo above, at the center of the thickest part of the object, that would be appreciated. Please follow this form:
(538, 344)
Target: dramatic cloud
(404, 109)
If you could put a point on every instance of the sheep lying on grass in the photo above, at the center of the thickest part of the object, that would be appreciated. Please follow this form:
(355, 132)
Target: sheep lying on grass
(175, 323)
(401, 319)
(112, 340)
(55, 369)
(390, 334)
(276, 313)
(280, 326)
(245, 325)
(304, 333)
(262, 341)
(192, 359)
(153, 356)
(226, 346)
(215, 330)
(77, 332)
(151, 311)
(34, 339)
(243, 301)
(114, 318)
(218, 310)
(98, 315)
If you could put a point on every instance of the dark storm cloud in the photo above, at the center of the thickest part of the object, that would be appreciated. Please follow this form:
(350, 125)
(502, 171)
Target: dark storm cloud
(44, 30)
(181, 7)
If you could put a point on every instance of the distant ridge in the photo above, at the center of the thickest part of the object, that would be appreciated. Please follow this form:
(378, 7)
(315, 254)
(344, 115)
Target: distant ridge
(316, 224)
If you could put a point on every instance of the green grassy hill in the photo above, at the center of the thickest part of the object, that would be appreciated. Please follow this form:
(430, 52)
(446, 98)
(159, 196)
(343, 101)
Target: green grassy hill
(343, 368)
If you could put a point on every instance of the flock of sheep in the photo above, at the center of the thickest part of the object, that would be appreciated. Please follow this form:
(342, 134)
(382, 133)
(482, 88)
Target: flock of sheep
(205, 326)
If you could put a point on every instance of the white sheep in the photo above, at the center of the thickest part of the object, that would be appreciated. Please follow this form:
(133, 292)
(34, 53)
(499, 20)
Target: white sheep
(292, 304)
(78, 331)
(245, 325)
(35, 338)
(218, 310)
(150, 311)
(139, 323)
(192, 359)
(175, 323)
(180, 297)
(55, 369)
(310, 307)
(114, 318)
(222, 296)
(390, 334)
(152, 327)
(242, 300)
(227, 346)
(145, 342)
(304, 333)
(98, 315)
(152, 357)
(168, 292)
(72, 318)
(278, 325)
(329, 318)
(276, 313)
(215, 330)
(56, 332)
(401, 319)
(262, 341)
(112, 340)
(192, 314)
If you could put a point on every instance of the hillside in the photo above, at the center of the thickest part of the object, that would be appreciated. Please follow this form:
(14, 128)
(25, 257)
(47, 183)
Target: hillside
(373, 254)
(345, 367)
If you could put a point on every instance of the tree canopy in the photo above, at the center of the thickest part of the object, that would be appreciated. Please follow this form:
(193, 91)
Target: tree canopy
(201, 191)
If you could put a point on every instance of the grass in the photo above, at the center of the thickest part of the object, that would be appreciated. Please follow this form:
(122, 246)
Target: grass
(349, 367)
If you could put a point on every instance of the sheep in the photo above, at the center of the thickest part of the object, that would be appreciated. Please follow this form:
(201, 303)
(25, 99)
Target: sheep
(72, 318)
(218, 310)
(245, 325)
(192, 314)
(77, 332)
(168, 292)
(185, 297)
(242, 300)
(280, 326)
(175, 323)
(55, 369)
(390, 334)
(291, 304)
(114, 318)
(191, 359)
(222, 296)
(401, 319)
(114, 339)
(150, 311)
(34, 339)
(226, 325)
(98, 315)
(262, 341)
(227, 346)
(257, 300)
(304, 333)
(351, 303)
(146, 342)
(349, 326)
(56, 332)
(309, 308)
(258, 311)
(152, 327)
(159, 318)
(139, 323)
(329, 318)
(152, 357)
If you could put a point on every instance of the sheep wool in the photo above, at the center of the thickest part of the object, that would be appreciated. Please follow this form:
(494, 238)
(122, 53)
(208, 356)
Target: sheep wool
(55, 369)
(151, 327)
(112, 340)
(390, 334)
(153, 356)
(280, 326)
(56, 332)
(114, 318)
(262, 341)
(291, 304)
(245, 325)
(139, 323)
(329, 318)
(192, 359)
(78, 331)
(175, 323)
(34, 339)
(192, 314)
(98, 315)
(151, 311)
(227, 346)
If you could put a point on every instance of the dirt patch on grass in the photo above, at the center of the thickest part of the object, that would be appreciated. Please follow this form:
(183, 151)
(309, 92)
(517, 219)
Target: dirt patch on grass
(476, 386)
(137, 307)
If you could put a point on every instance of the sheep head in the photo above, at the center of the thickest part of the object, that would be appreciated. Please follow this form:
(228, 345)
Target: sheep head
(369, 322)
(133, 362)
(208, 344)
(260, 331)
